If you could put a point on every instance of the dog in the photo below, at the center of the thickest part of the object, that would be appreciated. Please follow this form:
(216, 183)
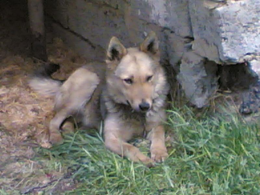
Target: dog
(127, 92)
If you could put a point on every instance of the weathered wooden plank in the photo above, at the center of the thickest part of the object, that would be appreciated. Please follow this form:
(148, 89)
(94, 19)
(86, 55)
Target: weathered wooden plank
(36, 18)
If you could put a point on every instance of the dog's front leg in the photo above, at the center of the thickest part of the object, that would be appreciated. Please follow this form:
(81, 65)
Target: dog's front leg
(123, 148)
(158, 148)
(116, 134)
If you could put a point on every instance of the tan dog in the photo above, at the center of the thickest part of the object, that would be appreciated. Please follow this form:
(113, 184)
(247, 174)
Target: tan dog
(128, 93)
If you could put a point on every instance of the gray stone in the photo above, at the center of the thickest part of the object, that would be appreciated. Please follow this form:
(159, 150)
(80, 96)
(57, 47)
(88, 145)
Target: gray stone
(176, 47)
(255, 66)
(197, 78)
(233, 28)
(250, 100)
(194, 34)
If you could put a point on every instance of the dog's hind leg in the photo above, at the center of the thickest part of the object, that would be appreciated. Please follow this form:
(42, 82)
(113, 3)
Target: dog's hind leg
(55, 125)
(71, 99)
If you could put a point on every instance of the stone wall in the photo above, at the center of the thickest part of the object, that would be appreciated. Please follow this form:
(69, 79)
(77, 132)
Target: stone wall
(195, 35)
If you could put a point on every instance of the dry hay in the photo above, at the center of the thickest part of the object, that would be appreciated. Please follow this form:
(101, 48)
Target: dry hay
(25, 115)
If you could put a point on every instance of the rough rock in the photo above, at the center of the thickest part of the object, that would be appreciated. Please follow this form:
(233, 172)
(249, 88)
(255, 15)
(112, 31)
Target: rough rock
(251, 100)
(255, 66)
(226, 29)
(219, 31)
(196, 78)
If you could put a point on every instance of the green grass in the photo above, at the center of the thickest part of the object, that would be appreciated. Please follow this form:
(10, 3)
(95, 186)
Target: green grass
(210, 155)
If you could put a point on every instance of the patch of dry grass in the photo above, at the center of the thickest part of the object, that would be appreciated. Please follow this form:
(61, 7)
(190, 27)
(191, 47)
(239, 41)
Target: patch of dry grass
(25, 116)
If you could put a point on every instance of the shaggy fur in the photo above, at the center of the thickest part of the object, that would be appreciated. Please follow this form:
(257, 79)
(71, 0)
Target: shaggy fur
(128, 93)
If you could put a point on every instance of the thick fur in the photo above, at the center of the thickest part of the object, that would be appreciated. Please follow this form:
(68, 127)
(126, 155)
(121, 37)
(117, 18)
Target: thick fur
(129, 96)
(42, 81)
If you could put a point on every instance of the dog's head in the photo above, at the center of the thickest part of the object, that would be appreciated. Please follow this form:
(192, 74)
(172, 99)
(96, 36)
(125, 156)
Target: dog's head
(134, 75)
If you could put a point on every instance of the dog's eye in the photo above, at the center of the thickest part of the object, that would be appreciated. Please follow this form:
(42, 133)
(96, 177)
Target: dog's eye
(149, 78)
(128, 81)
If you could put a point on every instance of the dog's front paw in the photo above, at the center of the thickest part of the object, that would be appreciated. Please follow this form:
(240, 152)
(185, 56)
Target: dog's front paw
(140, 157)
(159, 154)
(148, 162)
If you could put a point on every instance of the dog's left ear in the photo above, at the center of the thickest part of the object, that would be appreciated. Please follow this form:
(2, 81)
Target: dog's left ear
(150, 44)
(115, 50)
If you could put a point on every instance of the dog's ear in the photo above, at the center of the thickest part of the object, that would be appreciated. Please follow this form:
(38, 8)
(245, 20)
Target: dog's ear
(150, 44)
(115, 50)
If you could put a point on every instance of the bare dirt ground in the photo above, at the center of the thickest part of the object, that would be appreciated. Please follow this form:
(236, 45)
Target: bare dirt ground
(24, 115)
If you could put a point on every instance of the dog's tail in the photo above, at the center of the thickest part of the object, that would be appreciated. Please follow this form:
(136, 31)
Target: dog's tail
(42, 82)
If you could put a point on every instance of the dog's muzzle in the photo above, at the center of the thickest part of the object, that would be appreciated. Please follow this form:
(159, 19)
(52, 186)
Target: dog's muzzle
(144, 106)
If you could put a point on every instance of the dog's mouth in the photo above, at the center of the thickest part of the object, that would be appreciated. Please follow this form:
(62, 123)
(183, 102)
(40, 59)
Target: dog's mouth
(128, 103)
(141, 111)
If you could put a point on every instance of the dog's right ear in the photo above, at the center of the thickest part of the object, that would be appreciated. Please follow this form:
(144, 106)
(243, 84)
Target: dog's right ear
(115, 50)
(150, 44)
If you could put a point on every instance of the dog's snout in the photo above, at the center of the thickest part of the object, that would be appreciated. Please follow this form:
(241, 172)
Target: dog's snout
(144, 106)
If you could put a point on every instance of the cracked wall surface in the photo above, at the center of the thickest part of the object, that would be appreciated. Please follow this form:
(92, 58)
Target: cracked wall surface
(195, 35)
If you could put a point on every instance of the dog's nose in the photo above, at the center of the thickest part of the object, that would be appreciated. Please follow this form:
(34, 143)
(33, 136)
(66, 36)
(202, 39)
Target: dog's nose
(144, 106)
